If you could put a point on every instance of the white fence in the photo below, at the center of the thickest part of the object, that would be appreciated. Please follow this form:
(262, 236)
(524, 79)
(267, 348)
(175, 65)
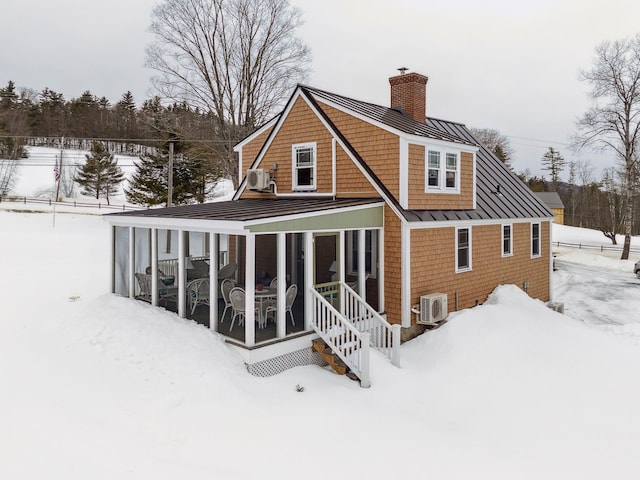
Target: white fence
(67, 203)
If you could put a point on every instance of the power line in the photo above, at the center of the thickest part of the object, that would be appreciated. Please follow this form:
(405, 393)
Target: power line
(117, 140)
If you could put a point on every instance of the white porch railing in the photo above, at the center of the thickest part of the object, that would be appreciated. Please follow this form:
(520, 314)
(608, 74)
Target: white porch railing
(384, 337)
(350, 345)
(170, 266)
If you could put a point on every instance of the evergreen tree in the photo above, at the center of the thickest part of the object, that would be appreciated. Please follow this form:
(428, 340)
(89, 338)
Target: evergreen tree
(100, 174)
(149, 183)
(555, 163)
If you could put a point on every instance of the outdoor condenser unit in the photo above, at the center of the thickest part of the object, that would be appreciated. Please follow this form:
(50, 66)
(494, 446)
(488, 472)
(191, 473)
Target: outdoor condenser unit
(257, 179)
(432, 308)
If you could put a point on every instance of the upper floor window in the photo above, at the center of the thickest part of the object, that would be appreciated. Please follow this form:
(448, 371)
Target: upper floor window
(304, 166)
(443, 171)
(433, 171)
(535, 240)
(451, 174)
(507, 241)
(463, 249)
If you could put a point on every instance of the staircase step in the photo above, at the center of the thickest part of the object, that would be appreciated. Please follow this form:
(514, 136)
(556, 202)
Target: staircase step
(318, 345)
(338, 366)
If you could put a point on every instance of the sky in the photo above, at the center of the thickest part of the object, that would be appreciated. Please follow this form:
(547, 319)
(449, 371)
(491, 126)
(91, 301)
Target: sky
(100, 387)
(509, 66)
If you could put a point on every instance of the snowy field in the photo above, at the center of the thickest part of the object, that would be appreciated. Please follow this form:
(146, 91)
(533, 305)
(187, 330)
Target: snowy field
(35, 177)
(98, 387)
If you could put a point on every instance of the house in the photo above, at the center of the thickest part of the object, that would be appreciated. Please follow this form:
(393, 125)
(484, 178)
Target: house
(380, 218)
(554, 202)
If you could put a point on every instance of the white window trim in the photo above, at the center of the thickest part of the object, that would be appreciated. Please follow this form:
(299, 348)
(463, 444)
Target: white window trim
(539, 254)
(510, 252)
(442, 178)
(374, 253)
(470, 266)
(294, 167)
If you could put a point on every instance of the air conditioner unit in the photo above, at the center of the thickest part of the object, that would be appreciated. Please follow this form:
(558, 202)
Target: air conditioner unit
(257, 179)
(433, 308)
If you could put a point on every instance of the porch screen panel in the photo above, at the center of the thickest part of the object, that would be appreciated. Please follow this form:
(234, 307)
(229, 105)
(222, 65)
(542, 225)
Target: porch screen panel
(142, 250)
(197, 289)
(121, 260)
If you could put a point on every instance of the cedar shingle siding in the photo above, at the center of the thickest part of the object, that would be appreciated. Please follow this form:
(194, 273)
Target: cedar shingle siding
(433, 264)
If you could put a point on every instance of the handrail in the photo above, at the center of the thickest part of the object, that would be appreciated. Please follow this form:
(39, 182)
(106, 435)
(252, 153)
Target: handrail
(384, 336)
(350, 345)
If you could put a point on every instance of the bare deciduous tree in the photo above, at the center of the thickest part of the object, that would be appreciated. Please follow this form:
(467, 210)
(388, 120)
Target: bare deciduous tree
(237, 59)
(496, 143)
(613, 122)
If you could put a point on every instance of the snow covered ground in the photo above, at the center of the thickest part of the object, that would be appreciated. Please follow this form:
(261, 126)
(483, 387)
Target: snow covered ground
(100, 387)
(34, 175)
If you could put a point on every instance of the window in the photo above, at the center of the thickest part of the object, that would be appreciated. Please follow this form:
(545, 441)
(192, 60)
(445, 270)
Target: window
(370, 251)
(442, 176)
(535, 240)
(433, 174)
(304, 166)
(452, 170)
(463, 249)
(507, 241)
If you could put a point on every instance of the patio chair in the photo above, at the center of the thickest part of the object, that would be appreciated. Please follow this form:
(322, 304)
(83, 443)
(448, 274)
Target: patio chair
(290, 297)
(274, 283)
(237, 297)
(228, 271)
(144, 283)
(198, 293)
(225, 288)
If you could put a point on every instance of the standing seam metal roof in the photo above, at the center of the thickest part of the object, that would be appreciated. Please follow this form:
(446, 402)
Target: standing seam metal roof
(515, 200)
(388, 116)
(250, 209)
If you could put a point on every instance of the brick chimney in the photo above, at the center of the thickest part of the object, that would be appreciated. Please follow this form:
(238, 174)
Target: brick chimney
(409, 92)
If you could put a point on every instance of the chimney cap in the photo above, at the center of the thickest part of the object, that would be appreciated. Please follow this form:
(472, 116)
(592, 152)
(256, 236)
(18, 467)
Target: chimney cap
(402, 70)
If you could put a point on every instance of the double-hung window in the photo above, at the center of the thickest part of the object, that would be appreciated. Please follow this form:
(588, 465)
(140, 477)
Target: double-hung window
(304, 166)
(451, 173)
(535, 240)
(463, 249)
(442, 172)
(507, 241)
(433, 170)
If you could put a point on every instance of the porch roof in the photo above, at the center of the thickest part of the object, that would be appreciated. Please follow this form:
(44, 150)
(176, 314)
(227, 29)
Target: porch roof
(260, 214)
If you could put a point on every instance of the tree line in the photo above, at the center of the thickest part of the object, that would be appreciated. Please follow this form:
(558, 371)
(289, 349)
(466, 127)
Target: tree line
(223, 69)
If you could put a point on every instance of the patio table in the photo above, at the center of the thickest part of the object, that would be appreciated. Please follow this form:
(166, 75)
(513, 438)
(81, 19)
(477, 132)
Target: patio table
(262, 296)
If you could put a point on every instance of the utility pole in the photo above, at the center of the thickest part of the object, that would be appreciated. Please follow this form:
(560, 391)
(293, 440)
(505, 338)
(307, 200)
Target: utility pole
(59, 172)
(170, 191)
(170, 177)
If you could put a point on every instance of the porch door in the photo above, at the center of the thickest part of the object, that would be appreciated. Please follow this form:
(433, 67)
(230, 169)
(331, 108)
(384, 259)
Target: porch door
(327, 262)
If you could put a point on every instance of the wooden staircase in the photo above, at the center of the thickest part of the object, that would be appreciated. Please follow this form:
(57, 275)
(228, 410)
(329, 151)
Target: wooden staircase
(320, 346)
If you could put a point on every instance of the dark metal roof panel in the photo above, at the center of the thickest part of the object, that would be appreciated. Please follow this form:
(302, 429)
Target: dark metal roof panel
(515, 200)
(250, 209)
(388, 116)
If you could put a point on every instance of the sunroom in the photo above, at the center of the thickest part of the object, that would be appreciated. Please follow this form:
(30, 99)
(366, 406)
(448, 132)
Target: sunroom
(247, 268)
